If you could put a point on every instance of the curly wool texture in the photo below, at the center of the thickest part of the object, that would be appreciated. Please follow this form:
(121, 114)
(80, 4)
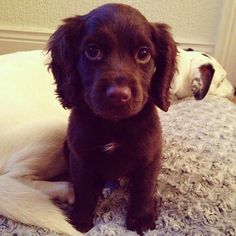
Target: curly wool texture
(197, 184)
(198, 180)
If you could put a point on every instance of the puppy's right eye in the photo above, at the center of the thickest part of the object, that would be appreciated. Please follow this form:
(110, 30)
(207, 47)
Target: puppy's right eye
(93, 52)
(143, 55)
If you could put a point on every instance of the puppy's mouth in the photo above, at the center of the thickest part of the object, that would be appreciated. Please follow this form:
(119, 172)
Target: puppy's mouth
(116, 102)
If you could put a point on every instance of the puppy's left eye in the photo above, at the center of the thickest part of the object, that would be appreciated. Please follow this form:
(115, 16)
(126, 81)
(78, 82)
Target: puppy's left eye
(143, 55)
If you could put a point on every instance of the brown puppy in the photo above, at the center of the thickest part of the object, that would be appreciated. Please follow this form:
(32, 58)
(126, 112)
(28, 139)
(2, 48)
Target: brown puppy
(111, 67)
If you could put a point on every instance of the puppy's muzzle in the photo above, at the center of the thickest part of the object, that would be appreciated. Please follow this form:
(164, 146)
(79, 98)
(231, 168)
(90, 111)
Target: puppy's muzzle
(118, 95)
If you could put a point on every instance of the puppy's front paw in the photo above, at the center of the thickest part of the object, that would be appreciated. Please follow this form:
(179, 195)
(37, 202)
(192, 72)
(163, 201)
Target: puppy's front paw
(141, 223)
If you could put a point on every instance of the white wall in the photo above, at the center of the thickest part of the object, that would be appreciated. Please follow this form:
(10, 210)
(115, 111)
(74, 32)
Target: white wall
(192, 21)
(225, 46)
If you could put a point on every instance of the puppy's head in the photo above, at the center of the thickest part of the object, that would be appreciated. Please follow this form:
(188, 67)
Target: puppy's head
(114, 60)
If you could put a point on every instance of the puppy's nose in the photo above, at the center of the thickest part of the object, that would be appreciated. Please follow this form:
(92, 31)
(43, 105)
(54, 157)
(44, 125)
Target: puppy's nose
(119, 95)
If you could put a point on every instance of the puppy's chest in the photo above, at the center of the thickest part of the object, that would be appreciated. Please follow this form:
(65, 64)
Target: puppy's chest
(114, 160)
(111, 143)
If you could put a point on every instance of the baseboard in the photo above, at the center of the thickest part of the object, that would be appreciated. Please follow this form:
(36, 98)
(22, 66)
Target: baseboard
(12, 40)
(197, 46)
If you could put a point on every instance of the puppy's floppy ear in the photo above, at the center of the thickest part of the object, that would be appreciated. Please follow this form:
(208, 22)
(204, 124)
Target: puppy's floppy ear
(63, 46)
(165, 65)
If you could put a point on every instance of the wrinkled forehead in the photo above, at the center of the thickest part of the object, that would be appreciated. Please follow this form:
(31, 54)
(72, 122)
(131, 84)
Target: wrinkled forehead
(123, 24)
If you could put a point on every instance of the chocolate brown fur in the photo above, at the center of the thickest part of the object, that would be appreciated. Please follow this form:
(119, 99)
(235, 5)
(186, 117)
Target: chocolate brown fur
(114, 129)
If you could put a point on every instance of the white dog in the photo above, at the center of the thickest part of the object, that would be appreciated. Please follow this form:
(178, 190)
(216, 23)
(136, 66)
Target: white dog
(199, 74)
(33, 129)
(32, 133)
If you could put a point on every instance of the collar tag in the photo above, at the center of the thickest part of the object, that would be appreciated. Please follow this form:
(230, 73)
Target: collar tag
(110, 147)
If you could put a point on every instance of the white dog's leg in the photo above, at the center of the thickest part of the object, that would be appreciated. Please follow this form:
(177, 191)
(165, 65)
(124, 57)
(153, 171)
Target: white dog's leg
(60, 190)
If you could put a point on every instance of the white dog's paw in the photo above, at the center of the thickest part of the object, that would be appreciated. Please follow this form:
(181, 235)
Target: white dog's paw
(66, 192)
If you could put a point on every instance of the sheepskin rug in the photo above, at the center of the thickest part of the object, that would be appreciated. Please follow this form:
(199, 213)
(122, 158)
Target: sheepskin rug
(197, 185)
